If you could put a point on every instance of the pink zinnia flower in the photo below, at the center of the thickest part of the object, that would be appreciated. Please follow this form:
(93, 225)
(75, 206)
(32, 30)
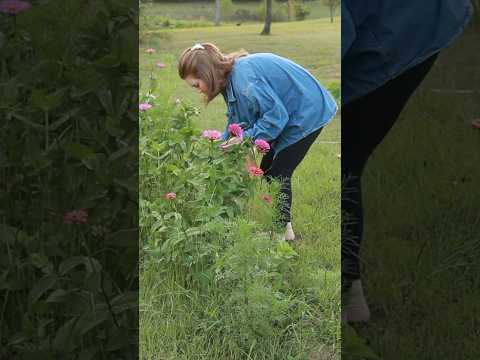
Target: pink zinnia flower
(262, 146)
(14, 7)
(170, 196)
(150, 51)
(161, 65)
(476, 123)
(267, 198)
(145, 106)
(255, 171)
(75, 217)
(235, 130)
(212, 134)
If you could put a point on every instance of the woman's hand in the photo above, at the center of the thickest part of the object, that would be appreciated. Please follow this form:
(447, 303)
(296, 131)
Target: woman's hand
(230, 142)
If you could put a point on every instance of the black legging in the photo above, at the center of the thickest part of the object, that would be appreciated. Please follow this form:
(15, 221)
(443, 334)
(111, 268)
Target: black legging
(282, 169)
(365, 122)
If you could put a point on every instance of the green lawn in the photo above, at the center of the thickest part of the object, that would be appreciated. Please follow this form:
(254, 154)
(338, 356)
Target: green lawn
(314, 44)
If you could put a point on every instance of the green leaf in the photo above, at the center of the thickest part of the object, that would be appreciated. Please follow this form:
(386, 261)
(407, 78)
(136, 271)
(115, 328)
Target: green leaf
(193, 231)
(123, 238)
(88, 354)
(40, 288)
(125, 301)
(50, 70)
(88, 321)
(26, 121)
(65, 337)
(120, 153)
(57, 296)
(46, 102)
(355, 346)
(92, 282)
(118, 339)
(42, 326)
(18, 338)
(113, 126)
(10, 90)
(81, 152)
(39, 260)
(173, 169)
(175, 215)
(7, 233)
(87, 83)
(91, 264)
(131, 184)
(285, 250)
(56, 124)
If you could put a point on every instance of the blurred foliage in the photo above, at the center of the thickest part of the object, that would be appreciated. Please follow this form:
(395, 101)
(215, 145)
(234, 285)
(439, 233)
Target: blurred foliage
(68, 95)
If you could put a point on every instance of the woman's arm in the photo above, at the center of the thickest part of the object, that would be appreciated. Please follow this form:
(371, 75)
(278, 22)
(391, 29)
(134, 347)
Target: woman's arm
(272, 114)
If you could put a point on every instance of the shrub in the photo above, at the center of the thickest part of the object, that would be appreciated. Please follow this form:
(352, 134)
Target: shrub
(301, 11)
(226, 8)
(279, 12)
(244, 15)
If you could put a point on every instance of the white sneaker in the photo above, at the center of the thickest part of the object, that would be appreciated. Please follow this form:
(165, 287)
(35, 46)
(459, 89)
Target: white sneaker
(289, 234)
(356, 308)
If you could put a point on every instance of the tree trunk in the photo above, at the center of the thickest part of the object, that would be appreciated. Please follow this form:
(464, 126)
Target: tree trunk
(331, 13)
(217, 12)
(291, 10)
(268, 18)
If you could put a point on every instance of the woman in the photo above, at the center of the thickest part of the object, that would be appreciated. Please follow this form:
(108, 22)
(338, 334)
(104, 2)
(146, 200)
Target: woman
(272, 98)
(387, 50)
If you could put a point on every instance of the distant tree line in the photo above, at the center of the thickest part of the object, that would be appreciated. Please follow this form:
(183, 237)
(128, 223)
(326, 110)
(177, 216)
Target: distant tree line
(212, 1)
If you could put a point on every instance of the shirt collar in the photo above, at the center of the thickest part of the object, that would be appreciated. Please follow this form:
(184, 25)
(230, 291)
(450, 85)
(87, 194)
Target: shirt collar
(230, 96)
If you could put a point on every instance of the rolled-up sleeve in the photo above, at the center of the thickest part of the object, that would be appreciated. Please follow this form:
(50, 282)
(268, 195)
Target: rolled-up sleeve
(225, 134)
(266, 106)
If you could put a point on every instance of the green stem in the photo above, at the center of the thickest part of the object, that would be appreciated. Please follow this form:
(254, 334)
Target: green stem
(47, 130)
(14, 25)
(210, 160)
(254, 155)
(102, 286)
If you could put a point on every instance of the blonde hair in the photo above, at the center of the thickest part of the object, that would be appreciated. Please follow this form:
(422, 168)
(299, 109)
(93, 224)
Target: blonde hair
(206, 62)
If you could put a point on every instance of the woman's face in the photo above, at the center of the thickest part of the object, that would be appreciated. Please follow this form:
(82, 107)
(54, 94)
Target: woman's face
(197, 83)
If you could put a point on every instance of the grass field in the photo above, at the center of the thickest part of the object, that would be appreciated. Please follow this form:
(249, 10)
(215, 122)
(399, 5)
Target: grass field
(421, 255)
(168, 311)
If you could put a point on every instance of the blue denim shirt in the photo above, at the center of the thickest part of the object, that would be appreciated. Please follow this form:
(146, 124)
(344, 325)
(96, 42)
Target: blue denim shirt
(275, 99)
(383, 38)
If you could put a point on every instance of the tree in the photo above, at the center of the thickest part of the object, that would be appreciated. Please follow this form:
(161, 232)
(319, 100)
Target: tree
(332, 5)
(268, 18)
(291, 10)
(218, 6)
